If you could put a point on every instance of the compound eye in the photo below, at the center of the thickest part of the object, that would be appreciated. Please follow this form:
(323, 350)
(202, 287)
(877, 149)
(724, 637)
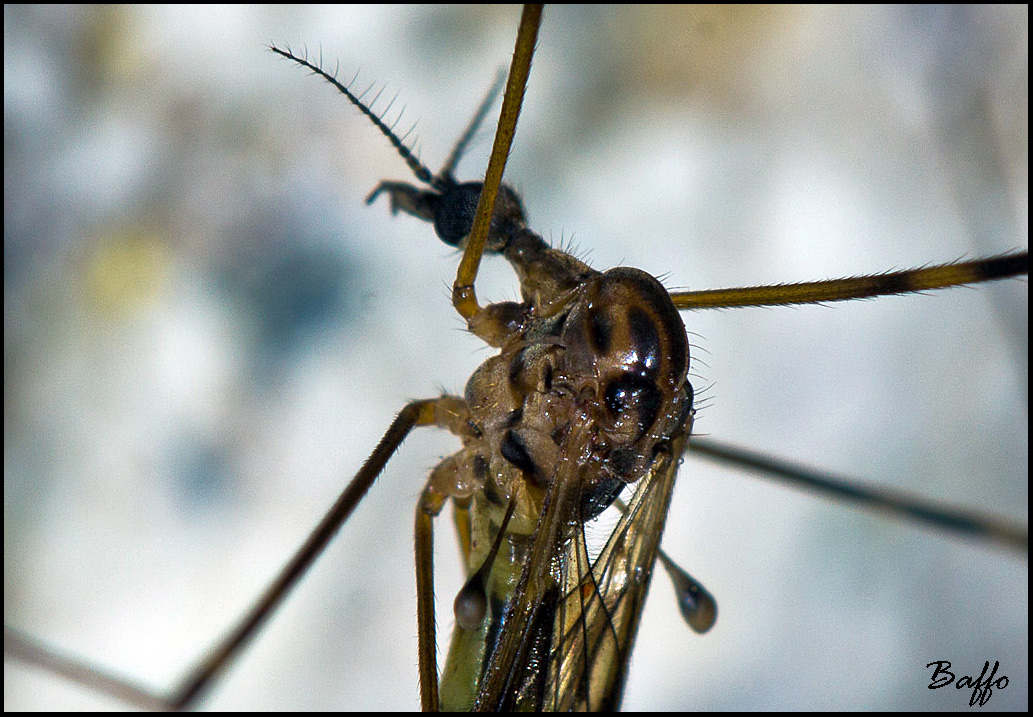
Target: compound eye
(455, 209)
(453, 217)
(634, 403)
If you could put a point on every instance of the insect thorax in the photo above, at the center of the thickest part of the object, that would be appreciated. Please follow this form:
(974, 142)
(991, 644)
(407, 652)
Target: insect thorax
(592, 370)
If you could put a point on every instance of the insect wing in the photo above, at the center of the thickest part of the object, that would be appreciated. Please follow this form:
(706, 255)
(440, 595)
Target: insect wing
(597, 617)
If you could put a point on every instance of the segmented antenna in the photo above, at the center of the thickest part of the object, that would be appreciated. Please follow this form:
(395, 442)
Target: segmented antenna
(418, 168)
(443, 179)
(475, 123)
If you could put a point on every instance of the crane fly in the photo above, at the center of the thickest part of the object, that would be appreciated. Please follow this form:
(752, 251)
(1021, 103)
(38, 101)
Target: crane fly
(876, 619)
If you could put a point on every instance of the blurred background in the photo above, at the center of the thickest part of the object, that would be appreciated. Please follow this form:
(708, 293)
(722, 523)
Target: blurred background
(206, 331)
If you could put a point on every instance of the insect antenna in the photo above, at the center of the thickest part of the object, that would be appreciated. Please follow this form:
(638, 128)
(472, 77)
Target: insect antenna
(471, 129)
(444, 178)
(419, 169)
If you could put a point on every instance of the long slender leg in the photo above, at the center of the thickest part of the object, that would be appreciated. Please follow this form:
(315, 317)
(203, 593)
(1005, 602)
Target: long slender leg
(23, 648)
(452, 414)
(427, 509)
(199, 679)
(891, 502)
(940, 276)
(464, 299)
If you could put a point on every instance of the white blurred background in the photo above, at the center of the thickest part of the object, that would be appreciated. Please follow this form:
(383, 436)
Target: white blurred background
(206, 331)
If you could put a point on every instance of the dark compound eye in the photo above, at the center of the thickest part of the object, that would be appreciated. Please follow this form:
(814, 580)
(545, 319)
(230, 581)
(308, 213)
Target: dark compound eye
(633, 401)
(455, 209)
(453, 218)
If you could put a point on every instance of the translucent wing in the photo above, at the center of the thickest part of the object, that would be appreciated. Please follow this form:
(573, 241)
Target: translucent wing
(598, 613)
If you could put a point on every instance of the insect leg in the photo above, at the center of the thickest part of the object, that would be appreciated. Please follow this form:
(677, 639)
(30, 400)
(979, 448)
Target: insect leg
(464, 299)
(200, 677)
(980, 527)
(427, 509)
(452, 414)
(25, 649)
